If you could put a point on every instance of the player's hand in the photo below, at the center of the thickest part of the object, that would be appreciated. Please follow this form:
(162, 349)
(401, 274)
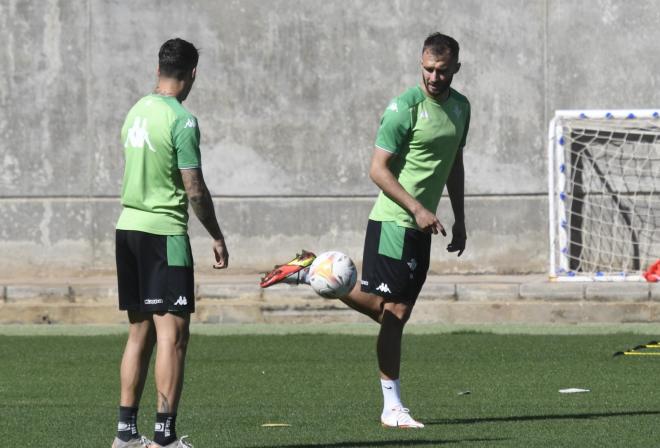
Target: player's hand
(428, 222)
(221, 254)
(458, 238)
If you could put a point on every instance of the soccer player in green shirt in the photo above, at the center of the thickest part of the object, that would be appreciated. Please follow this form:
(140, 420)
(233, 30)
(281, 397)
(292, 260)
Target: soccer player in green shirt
(418, 150)
(162, 174)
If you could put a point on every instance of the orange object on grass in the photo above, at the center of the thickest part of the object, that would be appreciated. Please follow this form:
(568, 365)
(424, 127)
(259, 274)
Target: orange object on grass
(653, 272)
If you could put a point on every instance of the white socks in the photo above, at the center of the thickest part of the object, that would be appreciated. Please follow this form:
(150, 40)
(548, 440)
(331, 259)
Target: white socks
(391, 394)
(302, 276)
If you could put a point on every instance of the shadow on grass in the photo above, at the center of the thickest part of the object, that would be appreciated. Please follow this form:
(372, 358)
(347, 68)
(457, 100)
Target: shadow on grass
(383, 443)
(526, 418)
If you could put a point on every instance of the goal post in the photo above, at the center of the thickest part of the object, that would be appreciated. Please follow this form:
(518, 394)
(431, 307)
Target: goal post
(604, 194)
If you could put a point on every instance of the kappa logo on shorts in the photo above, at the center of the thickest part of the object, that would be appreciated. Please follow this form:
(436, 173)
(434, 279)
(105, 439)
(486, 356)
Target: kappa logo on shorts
(412, 264)
(384, 288)
(182, 300)
(152, 301)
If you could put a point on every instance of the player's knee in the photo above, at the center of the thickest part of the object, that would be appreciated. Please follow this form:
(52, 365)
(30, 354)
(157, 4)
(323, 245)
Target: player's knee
(404, 315)
(401, 311)
(174, 336)
(142, 334)
(178, 342)
(183, 336)
(143, 340)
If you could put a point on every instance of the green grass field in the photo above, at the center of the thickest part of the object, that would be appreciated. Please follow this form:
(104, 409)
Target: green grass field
(63, 391)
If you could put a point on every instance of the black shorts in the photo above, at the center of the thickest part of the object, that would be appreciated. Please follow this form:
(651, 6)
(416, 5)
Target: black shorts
(154, 272)
(395, 261)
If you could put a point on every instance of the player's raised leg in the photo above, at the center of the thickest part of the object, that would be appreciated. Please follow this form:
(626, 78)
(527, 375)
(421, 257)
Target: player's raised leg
(366, 303)
(292, 272)
(296, 272)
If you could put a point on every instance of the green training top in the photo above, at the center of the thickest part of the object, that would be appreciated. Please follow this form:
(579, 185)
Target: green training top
(425, 135)
(160, 137)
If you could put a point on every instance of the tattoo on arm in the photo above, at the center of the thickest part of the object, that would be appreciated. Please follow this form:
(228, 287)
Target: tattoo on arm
(164, 406)
(202, 205)
(201, 201)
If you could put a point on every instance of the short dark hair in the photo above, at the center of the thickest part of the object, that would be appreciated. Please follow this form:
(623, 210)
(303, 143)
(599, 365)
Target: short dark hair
(438, 43)
(177, 58)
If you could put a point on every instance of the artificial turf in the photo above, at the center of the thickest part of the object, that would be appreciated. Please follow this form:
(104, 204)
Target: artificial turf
(63, 391)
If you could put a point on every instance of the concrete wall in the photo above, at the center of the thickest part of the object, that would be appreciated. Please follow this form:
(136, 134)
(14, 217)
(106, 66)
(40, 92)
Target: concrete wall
(288, 96)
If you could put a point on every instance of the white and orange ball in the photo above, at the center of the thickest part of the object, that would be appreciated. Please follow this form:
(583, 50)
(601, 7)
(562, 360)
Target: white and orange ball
(332, 275)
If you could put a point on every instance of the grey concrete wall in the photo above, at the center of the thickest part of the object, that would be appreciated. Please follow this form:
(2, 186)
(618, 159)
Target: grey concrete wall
(289, 94)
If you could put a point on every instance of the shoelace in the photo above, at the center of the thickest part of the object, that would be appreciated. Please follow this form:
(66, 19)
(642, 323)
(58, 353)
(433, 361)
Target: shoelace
(185, 444)
(407, 416)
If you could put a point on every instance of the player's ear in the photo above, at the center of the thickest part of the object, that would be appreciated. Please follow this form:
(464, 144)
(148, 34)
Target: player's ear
(458, 67)
(158, 70)
(194, 72)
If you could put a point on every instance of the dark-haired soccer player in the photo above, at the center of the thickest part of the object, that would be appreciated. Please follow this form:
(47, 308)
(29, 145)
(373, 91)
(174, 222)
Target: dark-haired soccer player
(419, 150)
(154, 261)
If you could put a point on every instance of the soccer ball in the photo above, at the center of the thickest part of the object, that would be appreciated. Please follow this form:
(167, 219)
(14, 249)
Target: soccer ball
(332, 275)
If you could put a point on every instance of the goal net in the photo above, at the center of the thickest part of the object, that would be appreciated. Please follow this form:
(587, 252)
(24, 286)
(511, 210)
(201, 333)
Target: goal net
(604, 194)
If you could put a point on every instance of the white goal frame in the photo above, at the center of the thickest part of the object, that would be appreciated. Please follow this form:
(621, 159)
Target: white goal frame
(559, 258)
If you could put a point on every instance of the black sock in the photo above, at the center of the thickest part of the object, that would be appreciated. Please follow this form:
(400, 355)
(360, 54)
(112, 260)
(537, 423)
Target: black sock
(165, 429)
(127, 426)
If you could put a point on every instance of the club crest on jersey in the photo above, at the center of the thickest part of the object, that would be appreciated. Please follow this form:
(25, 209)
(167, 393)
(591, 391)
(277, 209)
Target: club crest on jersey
(191, 123)
(393, 107)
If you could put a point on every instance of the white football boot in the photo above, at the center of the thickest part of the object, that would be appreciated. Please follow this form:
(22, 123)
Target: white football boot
(141, 442)
(178, 443)
(399, 417)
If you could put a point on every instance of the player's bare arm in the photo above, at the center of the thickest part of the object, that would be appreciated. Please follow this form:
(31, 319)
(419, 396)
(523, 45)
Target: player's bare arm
(202, 204)
(456, 191)
(382, 176)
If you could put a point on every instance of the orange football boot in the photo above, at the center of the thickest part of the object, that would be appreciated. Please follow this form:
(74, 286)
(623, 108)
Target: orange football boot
(283, 271)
